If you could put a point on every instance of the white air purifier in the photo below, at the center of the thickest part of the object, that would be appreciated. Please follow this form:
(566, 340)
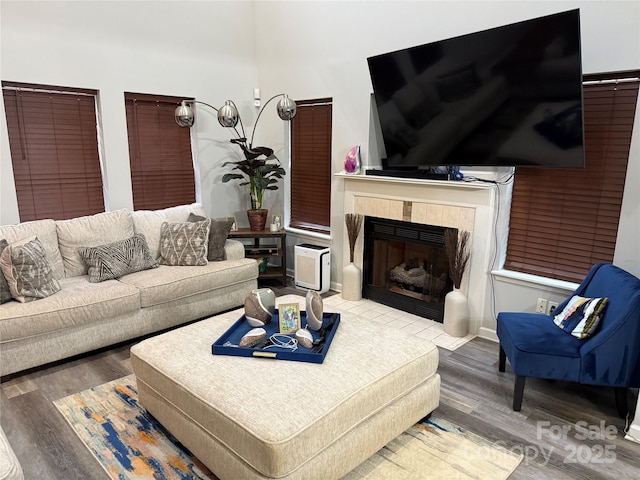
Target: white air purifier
(312, 267)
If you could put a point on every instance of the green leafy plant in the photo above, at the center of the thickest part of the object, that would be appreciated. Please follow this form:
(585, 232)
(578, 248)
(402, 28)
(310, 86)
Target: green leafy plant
(260, 169)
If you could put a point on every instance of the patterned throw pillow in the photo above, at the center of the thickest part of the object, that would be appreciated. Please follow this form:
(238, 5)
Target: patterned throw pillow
(28, 273)
(217, 236)
(581, 316)
(5, 293)
(116, 259)
(184, 244)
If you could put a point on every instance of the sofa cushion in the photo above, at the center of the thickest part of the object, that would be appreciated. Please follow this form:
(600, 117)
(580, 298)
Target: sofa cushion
(184, 244)
(148, 222)
(25, 266)
(79, 302)
(46, 232)
(5, 293)
(217, 236)
(90, 231)
(116, 259)
(166, 284)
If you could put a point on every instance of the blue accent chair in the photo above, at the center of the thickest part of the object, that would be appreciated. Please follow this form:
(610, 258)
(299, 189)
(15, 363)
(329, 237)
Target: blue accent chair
(537, 348)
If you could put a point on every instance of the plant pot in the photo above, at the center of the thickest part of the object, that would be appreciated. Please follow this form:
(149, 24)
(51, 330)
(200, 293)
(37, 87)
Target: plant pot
(257, 219)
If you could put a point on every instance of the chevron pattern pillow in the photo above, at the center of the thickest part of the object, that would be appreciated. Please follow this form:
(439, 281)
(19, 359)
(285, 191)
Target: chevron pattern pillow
(113, 260)
(27, 271)
(184, 244)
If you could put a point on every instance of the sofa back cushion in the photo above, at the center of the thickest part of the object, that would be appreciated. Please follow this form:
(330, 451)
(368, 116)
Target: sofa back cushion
(149, 222)
(90, 231)
(45, 231)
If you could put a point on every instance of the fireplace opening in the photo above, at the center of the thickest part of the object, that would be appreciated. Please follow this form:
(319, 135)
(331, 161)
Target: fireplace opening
(405, 266)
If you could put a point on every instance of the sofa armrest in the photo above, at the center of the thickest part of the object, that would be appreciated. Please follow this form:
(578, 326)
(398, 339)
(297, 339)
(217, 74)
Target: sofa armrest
(233, 250)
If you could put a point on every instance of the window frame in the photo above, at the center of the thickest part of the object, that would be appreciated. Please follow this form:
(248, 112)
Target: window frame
(146, 146)
(609, 114)
(301, 174)
(60, 174)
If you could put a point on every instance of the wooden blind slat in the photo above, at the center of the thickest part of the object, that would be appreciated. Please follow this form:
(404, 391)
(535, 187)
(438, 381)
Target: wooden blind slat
(160, 153)
(311, 165)
(54, 150)
(561, 225)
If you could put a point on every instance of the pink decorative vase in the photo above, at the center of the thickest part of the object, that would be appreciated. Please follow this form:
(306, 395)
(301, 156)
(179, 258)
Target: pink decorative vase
(352, 160)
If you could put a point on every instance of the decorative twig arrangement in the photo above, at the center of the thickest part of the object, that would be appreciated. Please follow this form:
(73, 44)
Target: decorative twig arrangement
(456, 245)
(354, 223)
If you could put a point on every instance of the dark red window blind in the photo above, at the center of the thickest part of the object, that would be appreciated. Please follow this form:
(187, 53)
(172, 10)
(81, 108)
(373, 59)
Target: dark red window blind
(311, 166)
(160, 153)
(54, 150)
(565, 220)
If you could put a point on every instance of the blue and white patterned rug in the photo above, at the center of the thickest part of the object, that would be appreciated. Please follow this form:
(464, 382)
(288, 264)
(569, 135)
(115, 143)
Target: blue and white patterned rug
(130, 444)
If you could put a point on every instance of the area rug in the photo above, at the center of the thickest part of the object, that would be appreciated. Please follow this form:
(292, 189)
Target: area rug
(130, 444)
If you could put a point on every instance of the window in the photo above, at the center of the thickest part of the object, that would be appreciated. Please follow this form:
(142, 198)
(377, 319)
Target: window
(564, 221)
(162, 172)
(311, 166)
(53, 139)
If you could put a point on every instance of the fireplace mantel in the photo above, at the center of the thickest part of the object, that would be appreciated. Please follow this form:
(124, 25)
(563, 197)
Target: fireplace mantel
(416, 181)
(467, 206)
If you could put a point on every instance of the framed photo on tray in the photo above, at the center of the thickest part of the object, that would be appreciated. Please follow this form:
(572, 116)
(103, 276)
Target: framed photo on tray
(289, 317)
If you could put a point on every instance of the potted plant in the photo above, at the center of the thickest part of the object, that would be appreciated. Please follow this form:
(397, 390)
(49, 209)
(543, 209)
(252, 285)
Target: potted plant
(261, 170)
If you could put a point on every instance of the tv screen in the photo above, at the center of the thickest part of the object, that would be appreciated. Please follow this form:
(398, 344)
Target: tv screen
(507, 96)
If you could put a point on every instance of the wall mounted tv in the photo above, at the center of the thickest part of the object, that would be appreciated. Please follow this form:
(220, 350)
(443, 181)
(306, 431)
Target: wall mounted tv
(507, 96)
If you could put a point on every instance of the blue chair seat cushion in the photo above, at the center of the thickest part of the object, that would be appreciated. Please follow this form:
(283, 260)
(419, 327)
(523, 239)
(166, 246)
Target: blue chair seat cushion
(536, 347)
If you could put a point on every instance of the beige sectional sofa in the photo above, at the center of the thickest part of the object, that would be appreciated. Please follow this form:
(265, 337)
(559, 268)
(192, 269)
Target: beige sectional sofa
(84, 316)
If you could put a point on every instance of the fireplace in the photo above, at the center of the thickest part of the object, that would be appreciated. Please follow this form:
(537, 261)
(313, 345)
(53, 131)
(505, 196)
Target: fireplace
(405, 266)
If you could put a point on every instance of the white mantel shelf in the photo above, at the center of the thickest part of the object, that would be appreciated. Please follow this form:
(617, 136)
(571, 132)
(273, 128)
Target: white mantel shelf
(416, 181)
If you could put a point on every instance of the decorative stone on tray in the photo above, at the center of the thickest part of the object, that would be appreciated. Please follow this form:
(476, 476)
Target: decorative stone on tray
(304, 337)
(259, 306)
(252, 337)
(314, 307)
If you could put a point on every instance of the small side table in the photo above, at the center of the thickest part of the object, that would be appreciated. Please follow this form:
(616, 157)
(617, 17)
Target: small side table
(266, 244)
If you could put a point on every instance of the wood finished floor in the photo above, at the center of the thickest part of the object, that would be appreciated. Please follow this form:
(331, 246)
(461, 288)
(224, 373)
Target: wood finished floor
(474, 395)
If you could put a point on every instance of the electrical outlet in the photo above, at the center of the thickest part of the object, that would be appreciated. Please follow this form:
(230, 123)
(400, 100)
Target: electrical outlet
(551, 306)
(541, 306)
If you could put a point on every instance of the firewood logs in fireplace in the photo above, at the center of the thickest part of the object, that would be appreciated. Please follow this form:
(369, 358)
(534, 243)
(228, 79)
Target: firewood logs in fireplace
(418, 279)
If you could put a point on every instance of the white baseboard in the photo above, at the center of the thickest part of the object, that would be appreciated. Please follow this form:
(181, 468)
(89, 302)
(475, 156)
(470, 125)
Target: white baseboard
(634, 433)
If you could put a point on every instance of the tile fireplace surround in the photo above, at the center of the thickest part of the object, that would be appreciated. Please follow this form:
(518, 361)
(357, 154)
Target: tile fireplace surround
(461, 205)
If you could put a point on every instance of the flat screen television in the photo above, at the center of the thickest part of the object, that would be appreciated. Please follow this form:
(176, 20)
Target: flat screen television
(507, 96)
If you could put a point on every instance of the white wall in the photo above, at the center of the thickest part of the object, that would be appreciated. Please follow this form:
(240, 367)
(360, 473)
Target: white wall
(200, 49)
(319, 49)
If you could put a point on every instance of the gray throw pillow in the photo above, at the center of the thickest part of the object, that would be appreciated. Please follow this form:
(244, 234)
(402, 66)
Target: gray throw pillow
(27, 271)
(217, 236)
(5, 293)
(113, 260)
(184, 244)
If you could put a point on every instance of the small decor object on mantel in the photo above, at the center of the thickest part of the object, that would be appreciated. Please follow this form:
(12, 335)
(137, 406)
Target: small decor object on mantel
(351, 273)
(456, 304)
(352, 160)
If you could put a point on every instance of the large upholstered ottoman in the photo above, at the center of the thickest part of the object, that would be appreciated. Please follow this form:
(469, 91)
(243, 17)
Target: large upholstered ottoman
(256, 418)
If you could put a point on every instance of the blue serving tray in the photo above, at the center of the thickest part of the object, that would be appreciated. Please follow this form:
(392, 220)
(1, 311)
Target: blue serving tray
(241, 326)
